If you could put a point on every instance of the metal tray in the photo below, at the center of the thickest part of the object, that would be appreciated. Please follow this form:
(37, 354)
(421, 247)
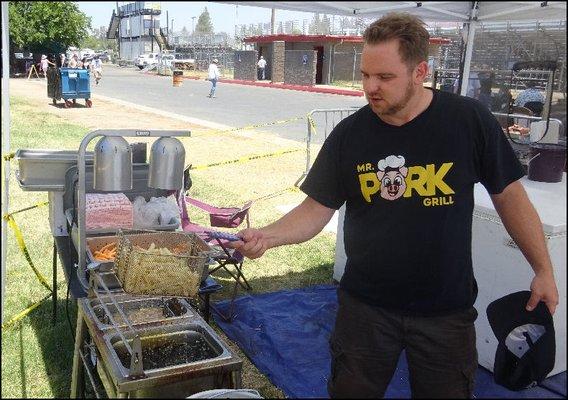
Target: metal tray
(44, 170)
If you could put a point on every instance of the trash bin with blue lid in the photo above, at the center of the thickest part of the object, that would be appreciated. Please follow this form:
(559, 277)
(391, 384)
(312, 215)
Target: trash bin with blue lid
(75, 84)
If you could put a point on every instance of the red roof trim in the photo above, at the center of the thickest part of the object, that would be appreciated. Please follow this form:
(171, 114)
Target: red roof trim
(319, 38)
(301, 38)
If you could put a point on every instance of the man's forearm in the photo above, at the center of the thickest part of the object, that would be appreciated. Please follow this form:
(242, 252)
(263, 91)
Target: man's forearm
(301, 224)
(523, 224)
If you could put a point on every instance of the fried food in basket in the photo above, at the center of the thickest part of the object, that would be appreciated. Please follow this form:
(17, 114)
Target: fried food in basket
(180, 248)
(160, 267)
(106, 253)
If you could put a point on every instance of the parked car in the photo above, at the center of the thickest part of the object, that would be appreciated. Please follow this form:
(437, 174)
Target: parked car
(143, 60)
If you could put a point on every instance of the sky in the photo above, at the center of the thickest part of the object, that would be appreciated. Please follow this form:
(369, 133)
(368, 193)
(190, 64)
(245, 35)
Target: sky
(223, 16)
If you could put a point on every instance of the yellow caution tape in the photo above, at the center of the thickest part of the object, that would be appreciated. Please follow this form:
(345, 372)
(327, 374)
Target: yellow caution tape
(277, 193)
(22, 314)
(9, 156)
(243, 159)
(279, 122)
(22, 245)
(43, 203)
(312, 124)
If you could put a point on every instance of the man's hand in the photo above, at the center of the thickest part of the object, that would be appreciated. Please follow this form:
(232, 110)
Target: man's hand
(253, 244)
(543, 288)
(523, 224)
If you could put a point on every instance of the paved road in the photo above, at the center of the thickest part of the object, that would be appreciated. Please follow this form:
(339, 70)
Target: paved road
(235, 105)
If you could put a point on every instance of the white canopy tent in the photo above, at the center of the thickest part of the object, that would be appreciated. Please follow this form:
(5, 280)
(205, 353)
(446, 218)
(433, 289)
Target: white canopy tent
(470, 13)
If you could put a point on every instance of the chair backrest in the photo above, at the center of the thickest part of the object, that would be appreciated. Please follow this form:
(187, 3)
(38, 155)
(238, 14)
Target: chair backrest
(224, 217)
(230, 217)
(535, 106)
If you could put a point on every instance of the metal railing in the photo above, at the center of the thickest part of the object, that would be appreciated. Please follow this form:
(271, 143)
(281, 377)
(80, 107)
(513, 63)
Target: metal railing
(322, 121)
(325, 120)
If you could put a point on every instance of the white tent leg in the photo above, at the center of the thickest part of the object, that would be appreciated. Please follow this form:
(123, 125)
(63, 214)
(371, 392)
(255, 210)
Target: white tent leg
(468, 53)
(5, 137)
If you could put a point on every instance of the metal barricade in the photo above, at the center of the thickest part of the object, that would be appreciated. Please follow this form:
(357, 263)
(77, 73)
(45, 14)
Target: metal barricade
(325, 120)
(322, 121)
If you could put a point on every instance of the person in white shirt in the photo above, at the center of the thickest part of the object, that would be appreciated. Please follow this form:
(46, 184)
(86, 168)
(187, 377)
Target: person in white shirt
(261, 64)
(213, 76)
(97, 68)
(44, 65)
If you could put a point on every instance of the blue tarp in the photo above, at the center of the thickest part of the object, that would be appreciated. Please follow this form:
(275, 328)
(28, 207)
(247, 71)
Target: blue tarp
(286, 333)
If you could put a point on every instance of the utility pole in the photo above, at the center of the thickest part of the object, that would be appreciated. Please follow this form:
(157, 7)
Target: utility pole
(192, 26)
(119, 29)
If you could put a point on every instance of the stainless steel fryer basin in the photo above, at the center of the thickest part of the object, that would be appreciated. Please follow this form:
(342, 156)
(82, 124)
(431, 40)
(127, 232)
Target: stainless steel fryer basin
(169, 347)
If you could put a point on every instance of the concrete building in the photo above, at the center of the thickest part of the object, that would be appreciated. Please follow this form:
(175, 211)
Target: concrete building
(309, 59)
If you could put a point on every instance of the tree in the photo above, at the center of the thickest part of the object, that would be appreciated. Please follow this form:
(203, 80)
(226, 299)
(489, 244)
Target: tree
(97, 40)
(204, 24)
(47, 26)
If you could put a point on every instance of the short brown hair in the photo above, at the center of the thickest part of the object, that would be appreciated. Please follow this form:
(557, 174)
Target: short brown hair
(413, 38)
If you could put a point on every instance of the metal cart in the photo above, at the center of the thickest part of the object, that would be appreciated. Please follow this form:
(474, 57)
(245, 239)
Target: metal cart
(74, 83)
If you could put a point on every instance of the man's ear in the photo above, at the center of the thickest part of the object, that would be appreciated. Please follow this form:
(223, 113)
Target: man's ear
(421, 72)
(380, 175)
(403, 171)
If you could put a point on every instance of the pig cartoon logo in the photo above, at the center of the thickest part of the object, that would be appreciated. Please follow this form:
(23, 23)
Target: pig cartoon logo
(391, 174)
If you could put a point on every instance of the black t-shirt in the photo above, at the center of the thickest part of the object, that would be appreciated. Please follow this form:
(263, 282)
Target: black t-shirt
(409, 200)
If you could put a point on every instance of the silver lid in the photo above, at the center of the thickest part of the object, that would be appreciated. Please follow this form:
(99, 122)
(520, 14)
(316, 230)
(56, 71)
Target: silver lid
(113, 164)
(167, 158)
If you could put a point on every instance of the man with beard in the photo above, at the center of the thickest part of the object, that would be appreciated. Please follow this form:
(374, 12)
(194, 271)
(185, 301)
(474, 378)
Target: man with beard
(408, 282)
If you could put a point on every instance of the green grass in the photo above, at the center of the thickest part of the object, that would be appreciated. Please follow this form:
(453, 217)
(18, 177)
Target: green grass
(36, 355)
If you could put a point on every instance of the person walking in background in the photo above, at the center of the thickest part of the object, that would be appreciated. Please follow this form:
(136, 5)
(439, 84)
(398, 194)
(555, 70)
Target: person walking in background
(62, 60)
(261, 64)
(409, 282)
(213, 76)
(43, 65)
(97, 68)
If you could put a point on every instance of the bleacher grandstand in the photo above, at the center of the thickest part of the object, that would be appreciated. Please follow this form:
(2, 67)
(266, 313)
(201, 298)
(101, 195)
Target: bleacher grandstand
(500, 45)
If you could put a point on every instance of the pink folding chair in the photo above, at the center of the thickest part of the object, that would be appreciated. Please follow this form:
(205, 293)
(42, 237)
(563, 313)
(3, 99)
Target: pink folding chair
(226, 259)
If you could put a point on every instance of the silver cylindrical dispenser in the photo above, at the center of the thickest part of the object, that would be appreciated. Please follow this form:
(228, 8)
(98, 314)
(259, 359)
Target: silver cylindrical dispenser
(167, 158)
(113, 164)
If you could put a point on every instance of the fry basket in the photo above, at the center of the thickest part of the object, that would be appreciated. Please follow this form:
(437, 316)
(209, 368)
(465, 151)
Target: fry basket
(153, 272)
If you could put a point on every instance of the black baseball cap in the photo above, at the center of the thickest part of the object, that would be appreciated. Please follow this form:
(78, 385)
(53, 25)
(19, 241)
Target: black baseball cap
(526, 351)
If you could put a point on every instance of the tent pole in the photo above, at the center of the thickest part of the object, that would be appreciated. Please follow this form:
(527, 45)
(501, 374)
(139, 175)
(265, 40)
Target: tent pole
(5, 138)
(468, 52)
